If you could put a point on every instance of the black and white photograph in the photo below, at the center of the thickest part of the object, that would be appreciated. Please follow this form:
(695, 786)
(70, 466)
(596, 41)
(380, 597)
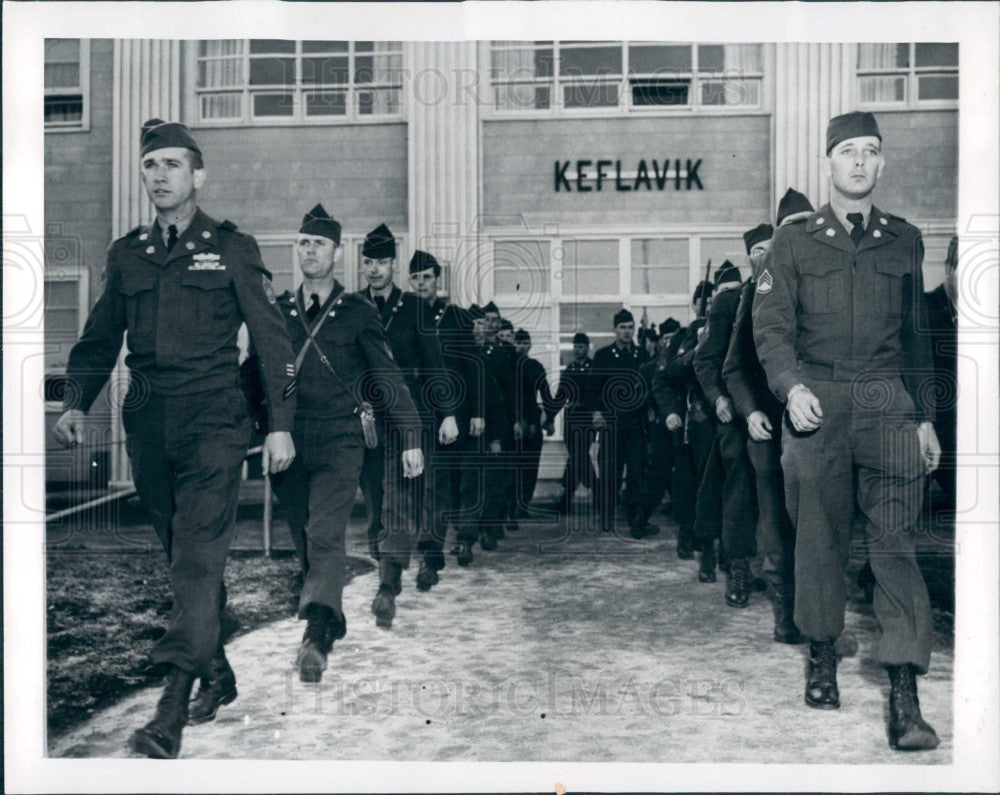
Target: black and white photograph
(612, 408)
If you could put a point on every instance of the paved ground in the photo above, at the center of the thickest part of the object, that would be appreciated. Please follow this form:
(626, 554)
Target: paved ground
(563, 645)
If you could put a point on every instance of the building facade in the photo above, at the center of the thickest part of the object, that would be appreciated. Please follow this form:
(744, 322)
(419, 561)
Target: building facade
(560, 179)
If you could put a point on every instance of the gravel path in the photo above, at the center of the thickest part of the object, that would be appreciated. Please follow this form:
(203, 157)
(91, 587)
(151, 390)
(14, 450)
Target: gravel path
(563, 645)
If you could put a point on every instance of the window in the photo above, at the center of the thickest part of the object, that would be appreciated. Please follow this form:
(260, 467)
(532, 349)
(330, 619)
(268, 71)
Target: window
(67, 76)
(277, 81)
(65, 305)
(552, 76)
(908, 75)
(520, 267)
(659, 265)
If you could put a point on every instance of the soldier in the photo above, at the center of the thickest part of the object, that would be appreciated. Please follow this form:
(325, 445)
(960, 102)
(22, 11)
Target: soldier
(572, 393)
(680, 399)
(739, 505)
(755, 403)
(181, 288)
(660, 451)
(453, 482)
(412, 338)
(530, 382)
(837, 320)
(618, 406)
(339, 343)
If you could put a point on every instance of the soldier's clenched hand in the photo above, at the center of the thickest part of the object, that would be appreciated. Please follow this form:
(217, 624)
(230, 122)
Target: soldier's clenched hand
(448, 432)
(277, 452)
(674, 422)
(476, 427)
(803, 409)
(759, 426)
(930, 448)
(724, 409)
(413, 463)
(68, 429)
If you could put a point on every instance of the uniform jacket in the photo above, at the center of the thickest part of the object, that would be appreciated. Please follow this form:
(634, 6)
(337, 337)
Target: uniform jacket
(412, 336)
(675, 388)
(454, 329)
(711, 349)
(353, 340)
(648, 371)
(182, 311)
(574, 390)
(530, 380)
(828, 310)
(742, 371)
(617, 387)
(942, 323)
(496, 363)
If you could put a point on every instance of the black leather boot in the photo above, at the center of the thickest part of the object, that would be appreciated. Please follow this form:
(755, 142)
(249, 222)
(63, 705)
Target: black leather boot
(161, 737)
(427, 576)
(685, 543)
(785, 630)
(322, 629)
(706, 567)
(908, 731)
(214, 691)
(465, 556)
(821, 686)
(738, 583)
(487, 540)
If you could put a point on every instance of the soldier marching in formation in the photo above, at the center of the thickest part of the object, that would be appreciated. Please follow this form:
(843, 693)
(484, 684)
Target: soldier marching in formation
(756, 420)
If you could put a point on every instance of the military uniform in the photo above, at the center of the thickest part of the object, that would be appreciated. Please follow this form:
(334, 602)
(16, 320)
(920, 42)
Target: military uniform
(578, 427)
(317, 491)
(186, 419)
(660, 449)
(530, 380)
(497, 362)
(844, 320)
(942, 317)
(619, 393)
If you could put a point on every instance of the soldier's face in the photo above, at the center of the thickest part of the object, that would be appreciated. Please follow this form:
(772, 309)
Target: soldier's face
(492, 324)
(757, 255)
(480, 328)
(316, 255)
(855, 165)
(624, 332)
(378, 272)
(170, 178)
(696, 307)
(424, 284)
(522, 348)
(507, 335)
(579, 350)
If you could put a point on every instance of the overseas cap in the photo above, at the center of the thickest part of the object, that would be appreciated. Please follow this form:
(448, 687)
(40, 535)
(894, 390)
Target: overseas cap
(851, 125)
(581, 339)
(727, 272)
(522, 335)
(159, 134)
(702, 287)
(318, 222)
(623, 316)
(379, 244)
(669, 326)
(421, 261)
(756, 235)
(792, 203)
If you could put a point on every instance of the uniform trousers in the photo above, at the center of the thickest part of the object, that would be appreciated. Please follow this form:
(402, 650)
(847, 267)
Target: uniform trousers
(738, 493)
(186, 454)
(317, 492)
(497, 473)
(453, 497)
(579, 434)
(529, 448)
(868, 429)
(622, 447)
(706, 504)
(660, 455)
(777, 533)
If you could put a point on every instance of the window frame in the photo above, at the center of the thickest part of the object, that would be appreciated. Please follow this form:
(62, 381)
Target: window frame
(911, 74)
(625, 106)
(82, 278)
(298, 89)
(83, 125)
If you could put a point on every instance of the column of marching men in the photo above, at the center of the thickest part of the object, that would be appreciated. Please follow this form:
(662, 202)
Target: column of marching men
(750, 425)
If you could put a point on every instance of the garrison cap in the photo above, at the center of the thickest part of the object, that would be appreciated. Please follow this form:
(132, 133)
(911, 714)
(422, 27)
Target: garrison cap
(522, 335)
(702, 287)
(159, 134)
(421, 261)
(727, 272)
(318, 222)
(792, 203)
(623, 316)
(581, 339)
(506, 325)
(379, 244)
(756, 235)
(669, 326)
(476, 312)
(850, 125)
(491, 309)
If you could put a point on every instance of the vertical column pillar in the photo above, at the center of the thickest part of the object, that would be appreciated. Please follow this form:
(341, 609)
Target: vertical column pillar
(443, 158)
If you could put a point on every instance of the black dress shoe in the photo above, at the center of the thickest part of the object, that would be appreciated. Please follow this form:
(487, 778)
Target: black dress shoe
(685, 543)
(427, 576)
(487, 541)
(384, 606)
(214, 691)
(161, 737)
(464, 553)
(706, 566)
(908, 731)
(821, 685)
(322, 629)
(738, 583)
(757, 584)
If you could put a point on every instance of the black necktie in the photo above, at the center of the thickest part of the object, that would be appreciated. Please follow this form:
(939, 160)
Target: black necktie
(171, 237)
(380, 302)
(857, 226)
(313, 309)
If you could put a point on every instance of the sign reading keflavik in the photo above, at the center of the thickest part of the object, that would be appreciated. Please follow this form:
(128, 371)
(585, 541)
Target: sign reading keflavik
(593, 175)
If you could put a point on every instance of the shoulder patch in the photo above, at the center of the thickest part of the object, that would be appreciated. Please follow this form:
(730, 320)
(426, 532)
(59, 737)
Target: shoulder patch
(229, 226)
(765, 282)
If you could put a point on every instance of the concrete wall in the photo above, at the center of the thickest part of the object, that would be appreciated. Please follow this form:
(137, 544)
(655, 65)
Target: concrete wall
(519, 158)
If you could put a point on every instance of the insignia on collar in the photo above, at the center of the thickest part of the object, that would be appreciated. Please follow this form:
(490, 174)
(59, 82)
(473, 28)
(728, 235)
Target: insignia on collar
(206, 262)
(765, 282)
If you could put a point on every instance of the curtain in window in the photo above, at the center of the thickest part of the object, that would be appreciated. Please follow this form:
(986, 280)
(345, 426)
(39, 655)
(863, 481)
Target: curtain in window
(222, 63)
(742, 58)
(880, 88)
(514, 65)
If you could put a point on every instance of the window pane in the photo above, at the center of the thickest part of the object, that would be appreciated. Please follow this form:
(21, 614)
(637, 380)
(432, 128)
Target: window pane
(221, 106)
(720, 249)
(590, 95)
(734, 58)
(272, 71)
(324, 46)
(883, 56)
(937, 87)
(61, 294)
(937, 55)
(62, 75)
(590, 267)
(659, 266)
(590, 61)
(520, 267)
(659, 91)
(326, 103)
(218, 47)
(592, 319)
(325, 70)
(734, 92)
(61, 323)
(378, 68)
(62, 50)
(273, 104)
(377, 101)
(221, 73)
(64, 109)
(891, 88)
(522, 97)
(271, 45)
(647, 59)
(521, 64)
